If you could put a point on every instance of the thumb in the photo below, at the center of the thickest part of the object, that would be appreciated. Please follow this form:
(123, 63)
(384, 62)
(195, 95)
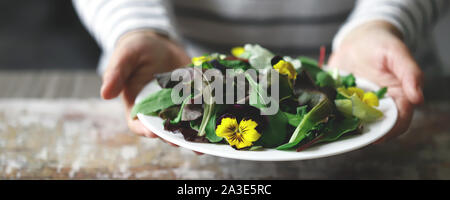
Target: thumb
(408, 72)
(121, 65)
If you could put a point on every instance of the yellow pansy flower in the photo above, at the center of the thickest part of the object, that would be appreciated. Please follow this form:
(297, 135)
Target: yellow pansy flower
(238, 135)
(197, 61)
(352, 90)
(286, 68)
(368, 98)
(237, 51)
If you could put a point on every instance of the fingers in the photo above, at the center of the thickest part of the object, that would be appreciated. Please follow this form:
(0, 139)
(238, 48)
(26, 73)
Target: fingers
(137, 127)
(405, 113)
(122, 64)
(408, 72)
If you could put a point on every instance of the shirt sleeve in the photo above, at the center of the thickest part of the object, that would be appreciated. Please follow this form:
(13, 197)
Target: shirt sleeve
(413, 18)
(108, 20)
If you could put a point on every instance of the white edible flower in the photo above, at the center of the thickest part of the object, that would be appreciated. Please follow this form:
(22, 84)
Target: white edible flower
(259, 56)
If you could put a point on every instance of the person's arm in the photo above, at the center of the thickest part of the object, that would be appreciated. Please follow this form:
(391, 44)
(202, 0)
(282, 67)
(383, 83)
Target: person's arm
(108, 20)
(412, 18)
(139, 42)
(376, 44)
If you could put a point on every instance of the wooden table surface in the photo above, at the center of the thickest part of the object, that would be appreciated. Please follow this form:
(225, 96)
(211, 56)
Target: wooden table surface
(54, 126)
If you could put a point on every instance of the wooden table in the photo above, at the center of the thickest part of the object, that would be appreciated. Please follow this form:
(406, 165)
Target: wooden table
(54, 126)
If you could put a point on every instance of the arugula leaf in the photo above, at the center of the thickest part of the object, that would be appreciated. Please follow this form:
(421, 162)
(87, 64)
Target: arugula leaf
(195, 124)
(207, 112)
(257, 93)
(208, 107)
(381, 92)
(348, 81)
(211, 125)
(317, 114)
(153, 103)
(295, 119)
(180, 112)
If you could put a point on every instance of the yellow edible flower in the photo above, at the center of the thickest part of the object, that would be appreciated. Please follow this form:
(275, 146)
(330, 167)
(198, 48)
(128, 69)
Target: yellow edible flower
(237, 51)
(286, 68)
(238, 136)
(197, 61)
(352, 90)
(368, 98)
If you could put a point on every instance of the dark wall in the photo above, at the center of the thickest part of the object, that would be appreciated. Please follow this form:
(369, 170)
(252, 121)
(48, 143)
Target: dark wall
(44, 34)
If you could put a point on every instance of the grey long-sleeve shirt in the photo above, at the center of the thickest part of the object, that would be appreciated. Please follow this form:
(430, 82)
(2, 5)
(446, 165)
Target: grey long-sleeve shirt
(295, 27)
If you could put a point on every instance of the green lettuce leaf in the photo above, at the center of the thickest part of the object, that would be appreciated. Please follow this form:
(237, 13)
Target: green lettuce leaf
(381, 92)
(315, 116)
(364, 111)
(295, 119)
(211, 125)
(348, 81)
(339, 128)
(274, 133)
(153, 103)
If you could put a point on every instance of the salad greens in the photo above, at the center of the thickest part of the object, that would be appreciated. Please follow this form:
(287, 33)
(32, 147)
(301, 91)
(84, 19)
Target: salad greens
(314, 105)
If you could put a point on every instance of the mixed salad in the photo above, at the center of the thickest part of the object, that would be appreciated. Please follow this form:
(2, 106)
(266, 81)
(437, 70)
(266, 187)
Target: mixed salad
(314, 105)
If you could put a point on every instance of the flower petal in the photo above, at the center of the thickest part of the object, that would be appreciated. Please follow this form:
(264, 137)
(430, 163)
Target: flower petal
(237, 51)
(251, 135)
(243, 144)
(247, 124)
(370, 99)
(286, 68)
(227, 127)
(355, 90)
(197, 61)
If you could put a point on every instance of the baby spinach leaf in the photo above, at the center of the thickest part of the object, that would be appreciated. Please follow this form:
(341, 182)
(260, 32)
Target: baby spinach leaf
(339, 128)
(153, 103)
(274, 133)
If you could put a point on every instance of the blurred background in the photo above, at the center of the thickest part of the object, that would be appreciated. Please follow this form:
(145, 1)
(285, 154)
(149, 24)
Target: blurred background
(44, 35)
(53, 124)
(47, 34)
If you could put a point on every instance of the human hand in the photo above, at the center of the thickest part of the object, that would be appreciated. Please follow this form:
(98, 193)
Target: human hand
(376, 52)
(137, 57)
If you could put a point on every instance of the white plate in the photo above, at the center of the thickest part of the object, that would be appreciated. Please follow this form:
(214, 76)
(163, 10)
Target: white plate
(370, 134)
